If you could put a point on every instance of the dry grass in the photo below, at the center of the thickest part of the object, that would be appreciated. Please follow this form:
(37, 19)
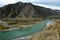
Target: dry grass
(52, 32)
(23, 22)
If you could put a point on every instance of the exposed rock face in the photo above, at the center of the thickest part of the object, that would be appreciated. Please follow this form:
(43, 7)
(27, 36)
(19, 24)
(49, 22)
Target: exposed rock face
(57, 11)
(20, 9)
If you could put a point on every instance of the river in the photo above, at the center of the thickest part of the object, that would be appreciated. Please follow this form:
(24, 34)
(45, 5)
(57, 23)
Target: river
(16, 33)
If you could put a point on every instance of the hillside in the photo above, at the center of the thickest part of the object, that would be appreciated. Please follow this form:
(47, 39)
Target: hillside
(21, 9)
(52, 32)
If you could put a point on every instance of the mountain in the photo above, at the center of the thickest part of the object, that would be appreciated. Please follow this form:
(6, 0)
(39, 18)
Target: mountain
(21, 9)
(57, 11)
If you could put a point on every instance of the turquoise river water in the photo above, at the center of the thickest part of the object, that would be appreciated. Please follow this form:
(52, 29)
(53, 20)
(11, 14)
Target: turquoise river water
(8, 35)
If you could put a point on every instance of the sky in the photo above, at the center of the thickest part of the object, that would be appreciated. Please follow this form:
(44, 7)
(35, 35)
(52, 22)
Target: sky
(53, 4)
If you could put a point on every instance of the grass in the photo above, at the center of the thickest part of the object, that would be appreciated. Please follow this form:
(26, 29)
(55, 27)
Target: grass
(26, 21)
(50, 33)
(23, 22)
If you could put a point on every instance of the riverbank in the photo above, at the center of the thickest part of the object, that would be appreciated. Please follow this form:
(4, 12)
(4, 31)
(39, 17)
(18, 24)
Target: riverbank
(52, 32)
(18, 23)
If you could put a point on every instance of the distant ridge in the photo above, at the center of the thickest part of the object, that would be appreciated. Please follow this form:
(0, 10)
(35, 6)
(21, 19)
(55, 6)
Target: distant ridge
(21, 9)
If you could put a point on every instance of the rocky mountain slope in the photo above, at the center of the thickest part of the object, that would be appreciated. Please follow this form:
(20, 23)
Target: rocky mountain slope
(57, 11)
(20, 9)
